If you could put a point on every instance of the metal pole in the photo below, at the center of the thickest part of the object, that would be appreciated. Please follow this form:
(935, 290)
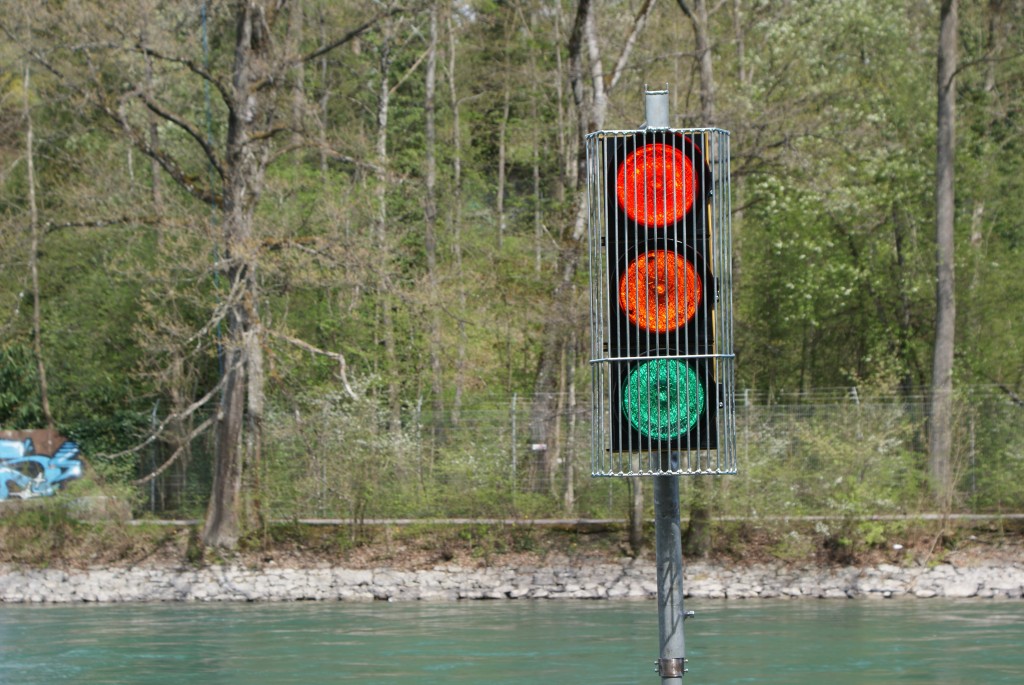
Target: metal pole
(667, 535)
(656, 106)
(669, 559)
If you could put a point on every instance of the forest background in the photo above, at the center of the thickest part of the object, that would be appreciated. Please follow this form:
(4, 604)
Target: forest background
(323, 259)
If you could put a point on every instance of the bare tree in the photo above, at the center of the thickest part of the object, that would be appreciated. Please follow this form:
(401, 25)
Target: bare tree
(430, 218)
(382, 237)
(697, 536)
(940, 438)
(455, 215)
(252, 91)
(590, 97)
(590, 92)
(33, 218)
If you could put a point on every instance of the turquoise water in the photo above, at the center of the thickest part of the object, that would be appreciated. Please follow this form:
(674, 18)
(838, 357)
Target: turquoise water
(796, 642)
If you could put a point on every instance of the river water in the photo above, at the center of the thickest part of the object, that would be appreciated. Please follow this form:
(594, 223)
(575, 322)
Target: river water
(806, 642)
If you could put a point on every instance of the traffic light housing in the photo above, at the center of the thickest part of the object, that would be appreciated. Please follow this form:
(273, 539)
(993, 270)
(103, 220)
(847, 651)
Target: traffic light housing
(661, 350)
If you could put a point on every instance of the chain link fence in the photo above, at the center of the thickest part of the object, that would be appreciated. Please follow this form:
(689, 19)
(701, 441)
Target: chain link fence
(831, 452)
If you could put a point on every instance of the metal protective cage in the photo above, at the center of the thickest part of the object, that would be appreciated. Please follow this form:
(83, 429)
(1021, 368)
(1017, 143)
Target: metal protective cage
(662, 358)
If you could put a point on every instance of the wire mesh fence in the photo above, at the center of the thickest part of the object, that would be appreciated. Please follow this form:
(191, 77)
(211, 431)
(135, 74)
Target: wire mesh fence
(836, 451)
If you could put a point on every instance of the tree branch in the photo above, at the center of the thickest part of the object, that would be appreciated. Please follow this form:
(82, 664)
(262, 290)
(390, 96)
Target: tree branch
(302, 344)
(225, 93)
(177, 453)
(191, 409)
(180, 122)
(408, 72)
(166, 162)
(638, 25)
(351, 35)
(1014, 397)
(686, 10)
(52, 227)
(269, 133)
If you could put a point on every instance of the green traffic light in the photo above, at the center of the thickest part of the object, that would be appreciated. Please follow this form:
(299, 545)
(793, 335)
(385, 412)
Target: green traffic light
(663, 398)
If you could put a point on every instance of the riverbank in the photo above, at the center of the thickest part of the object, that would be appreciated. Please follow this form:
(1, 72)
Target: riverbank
(627, 579)
(54, 558)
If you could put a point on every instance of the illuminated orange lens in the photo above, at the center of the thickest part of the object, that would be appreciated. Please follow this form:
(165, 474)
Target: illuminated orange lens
(660, 291)
(654, 185)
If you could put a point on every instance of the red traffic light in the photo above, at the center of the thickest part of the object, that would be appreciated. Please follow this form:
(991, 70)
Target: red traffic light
(654, 186)
(660, 291)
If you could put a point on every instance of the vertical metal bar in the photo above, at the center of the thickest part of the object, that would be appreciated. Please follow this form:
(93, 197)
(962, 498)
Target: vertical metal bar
(669, 559)
(668, 541)
(725, 201)
(598, 315)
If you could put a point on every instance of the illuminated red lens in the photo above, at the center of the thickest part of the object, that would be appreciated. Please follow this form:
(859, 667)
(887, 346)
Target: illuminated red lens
(660, 291)
(654, 186)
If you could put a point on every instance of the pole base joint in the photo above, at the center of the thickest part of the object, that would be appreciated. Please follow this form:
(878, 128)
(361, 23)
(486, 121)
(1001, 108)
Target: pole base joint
(671, 668)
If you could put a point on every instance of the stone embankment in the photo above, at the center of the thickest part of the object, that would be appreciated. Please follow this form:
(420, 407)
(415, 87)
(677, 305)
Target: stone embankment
(450, 582)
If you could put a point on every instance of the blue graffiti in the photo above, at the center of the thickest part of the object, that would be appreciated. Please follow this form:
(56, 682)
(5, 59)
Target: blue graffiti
(35, 475)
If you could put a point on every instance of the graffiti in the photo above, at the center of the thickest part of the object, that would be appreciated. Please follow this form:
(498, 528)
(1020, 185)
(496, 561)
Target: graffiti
(25, 473)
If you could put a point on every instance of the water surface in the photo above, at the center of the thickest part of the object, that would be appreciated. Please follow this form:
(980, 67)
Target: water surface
(803, 642)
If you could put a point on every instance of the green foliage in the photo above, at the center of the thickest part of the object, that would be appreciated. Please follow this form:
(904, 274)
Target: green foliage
(35, 531)
(50, 531)
(336, 456)
(105, 435)
(19, 389)
(806, 460)
(831, 106)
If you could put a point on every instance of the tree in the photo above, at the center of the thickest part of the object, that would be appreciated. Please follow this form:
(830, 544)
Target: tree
(34, 230)
(253, 94)
(697, 536)
(188, 186)
(590, 89)
(940, 437)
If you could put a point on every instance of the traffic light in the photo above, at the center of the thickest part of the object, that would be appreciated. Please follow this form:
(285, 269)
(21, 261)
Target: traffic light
(661, 292)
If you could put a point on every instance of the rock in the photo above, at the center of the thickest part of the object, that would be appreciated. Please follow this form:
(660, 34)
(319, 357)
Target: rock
(961, 589)
(632, 579)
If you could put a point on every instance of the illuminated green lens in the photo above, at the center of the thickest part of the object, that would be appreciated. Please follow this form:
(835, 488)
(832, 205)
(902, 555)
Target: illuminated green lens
(663, 398)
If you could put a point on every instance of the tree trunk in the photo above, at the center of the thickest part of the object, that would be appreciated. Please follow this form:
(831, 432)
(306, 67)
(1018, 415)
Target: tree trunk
(242, 399)
(502, 130)
(180, 429)
(590, 97)
(940, 434)
(569, 492)
(543, 412)
(538, 224)
(697, 536)
(381, 234)
(740, 41)
(564, 156)
(154, 142)
(698, 16)
(455, 220)
(33, 217)
(430, 229)
(296, 26)
(325, 100)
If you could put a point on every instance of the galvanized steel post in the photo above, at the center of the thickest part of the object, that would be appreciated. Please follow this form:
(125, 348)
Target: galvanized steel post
(669, 559)
(667, 534)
